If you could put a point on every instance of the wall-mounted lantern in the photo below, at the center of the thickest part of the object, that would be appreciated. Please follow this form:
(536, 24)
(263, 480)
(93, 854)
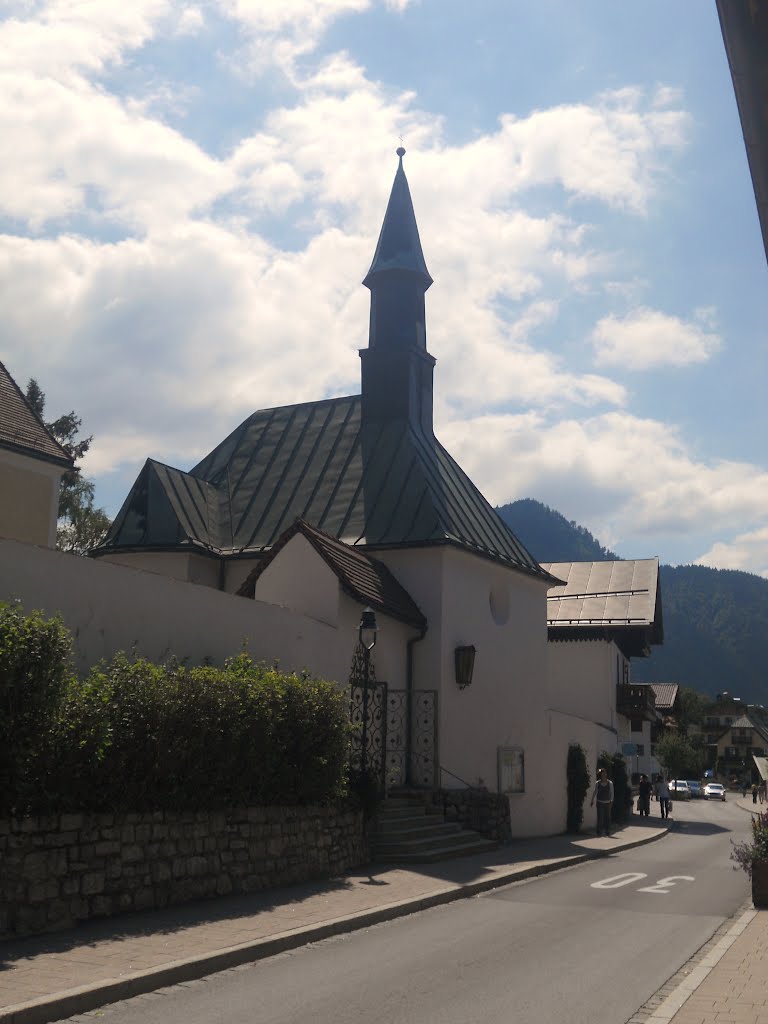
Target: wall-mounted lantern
(465, 665)
(368, 629)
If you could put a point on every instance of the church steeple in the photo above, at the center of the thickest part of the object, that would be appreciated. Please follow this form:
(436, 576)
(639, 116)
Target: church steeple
(396, 367)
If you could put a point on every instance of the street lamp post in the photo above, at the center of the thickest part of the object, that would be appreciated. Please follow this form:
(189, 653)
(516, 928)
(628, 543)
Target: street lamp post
(367, 636)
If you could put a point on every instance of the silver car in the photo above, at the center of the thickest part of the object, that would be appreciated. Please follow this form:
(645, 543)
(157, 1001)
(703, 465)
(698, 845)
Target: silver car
(714, 791)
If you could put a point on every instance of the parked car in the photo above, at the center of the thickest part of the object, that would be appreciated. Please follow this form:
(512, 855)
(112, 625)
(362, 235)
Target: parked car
(714, 791)
(678, 790)
(695, 787)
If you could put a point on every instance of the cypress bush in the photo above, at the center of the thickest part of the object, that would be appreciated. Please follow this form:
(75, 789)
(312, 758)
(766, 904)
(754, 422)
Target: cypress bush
(577, 774)
(34, 671)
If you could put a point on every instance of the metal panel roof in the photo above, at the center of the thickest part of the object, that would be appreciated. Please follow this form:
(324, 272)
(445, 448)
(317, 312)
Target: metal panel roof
(384, 485)
(22, 430)
(609, 599)
(666, 694)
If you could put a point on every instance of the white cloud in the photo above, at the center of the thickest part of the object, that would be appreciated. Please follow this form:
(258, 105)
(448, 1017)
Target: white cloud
(747, 552)
(620, 475)
(646, 339)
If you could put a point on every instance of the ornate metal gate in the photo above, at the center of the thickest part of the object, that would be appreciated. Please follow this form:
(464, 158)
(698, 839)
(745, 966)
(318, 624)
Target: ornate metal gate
(396, 730)
(421, 752)
(367, 711)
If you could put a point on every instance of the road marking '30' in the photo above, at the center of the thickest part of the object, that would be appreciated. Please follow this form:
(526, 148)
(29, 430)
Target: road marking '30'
(663, 885)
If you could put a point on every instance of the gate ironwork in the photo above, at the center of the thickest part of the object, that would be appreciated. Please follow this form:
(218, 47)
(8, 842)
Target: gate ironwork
(367, 711)
(419, 709)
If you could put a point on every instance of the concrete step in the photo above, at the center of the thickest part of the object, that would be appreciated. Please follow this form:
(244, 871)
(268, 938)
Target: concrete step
(447, 828)
(395, 824)
(474, 845)
(437, 840)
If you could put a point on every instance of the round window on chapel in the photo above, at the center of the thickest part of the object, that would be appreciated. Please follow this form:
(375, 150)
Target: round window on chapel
(499, 602)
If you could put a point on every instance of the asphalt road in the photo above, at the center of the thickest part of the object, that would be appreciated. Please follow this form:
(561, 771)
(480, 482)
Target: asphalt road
(587, 944)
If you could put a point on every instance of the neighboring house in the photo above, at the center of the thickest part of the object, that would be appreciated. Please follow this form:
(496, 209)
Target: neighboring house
(605, 614)
(374, 487)
(741, 742)
(32, 463)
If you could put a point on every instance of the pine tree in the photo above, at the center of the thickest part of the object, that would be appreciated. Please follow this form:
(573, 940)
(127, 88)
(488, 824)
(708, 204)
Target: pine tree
(81, 524)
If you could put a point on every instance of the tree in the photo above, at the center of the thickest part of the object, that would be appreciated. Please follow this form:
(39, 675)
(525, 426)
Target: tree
(679, 757)
(690, 708)
(81, 524)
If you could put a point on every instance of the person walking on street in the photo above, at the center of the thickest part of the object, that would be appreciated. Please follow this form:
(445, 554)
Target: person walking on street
(644, 796)
(603, 793)
(754, 792)
(664, 798)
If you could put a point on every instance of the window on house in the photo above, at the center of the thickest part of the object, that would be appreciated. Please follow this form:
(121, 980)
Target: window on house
(641, 750)
(730, 751)
(636, 724)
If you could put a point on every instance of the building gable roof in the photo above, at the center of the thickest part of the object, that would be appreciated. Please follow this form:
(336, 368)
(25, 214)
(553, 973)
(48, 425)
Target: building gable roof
(620, 600)
(22, 430)
(386, 485)
(366, 580)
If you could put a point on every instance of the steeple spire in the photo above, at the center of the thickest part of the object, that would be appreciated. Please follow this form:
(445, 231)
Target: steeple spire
(396, 367)
(399, 245)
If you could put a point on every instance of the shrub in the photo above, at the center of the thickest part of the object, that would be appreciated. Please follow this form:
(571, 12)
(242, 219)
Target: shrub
(577, 774)
(138, 736)
(746, 854)
(34, 669)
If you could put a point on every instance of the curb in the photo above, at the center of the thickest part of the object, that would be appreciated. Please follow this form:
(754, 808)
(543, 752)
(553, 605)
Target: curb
(91, 997)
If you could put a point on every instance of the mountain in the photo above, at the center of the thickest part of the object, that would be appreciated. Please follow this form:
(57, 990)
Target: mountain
(715, 620)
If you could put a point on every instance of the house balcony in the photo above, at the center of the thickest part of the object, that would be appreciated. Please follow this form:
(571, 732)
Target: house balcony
(636, 701)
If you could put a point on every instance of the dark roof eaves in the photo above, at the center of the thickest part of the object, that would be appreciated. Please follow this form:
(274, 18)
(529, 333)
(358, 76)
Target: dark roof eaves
(33, 453)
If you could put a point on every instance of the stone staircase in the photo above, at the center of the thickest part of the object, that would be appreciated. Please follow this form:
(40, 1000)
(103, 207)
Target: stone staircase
(409, 830)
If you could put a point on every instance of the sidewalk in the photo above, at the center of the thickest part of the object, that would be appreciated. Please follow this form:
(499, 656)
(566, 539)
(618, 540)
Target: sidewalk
(731, 982)
(54, 976)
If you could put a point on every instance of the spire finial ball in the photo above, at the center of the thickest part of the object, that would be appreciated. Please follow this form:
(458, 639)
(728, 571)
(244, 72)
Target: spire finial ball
(400, 151)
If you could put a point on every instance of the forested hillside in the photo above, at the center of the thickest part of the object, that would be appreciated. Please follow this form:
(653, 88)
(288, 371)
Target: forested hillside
(715, 620)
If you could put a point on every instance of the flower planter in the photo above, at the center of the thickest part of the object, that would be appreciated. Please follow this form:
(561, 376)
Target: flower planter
(760, 883)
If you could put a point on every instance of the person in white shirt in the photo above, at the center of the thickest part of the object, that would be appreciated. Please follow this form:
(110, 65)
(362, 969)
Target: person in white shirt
(665, 800)
(603, 793)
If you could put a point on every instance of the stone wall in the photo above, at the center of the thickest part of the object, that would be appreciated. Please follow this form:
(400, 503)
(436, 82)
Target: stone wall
(478, 809)
(57, 871)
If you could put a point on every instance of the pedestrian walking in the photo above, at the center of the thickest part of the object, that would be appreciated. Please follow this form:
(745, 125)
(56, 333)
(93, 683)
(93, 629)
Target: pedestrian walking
(665, 800)
(603, 793)
(644, 796)
(754, 792)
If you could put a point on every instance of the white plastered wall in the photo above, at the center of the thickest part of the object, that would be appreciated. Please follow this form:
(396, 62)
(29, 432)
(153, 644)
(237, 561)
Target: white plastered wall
(502, 612)
(112, 607)
(29, 498)
(298, 578)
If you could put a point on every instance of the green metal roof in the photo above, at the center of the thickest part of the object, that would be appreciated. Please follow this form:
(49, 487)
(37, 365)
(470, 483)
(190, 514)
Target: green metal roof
(385, 485)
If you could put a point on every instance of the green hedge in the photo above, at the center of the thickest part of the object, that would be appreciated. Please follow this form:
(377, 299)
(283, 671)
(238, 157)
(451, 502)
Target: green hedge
(34, 671)
(136, 736)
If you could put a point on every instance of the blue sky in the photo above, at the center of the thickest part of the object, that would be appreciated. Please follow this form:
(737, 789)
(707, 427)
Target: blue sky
(191, 194)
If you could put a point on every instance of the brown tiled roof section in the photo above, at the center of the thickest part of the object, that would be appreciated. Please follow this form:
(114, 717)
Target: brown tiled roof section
(21, 429)
(666, 694)
(364, 579)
